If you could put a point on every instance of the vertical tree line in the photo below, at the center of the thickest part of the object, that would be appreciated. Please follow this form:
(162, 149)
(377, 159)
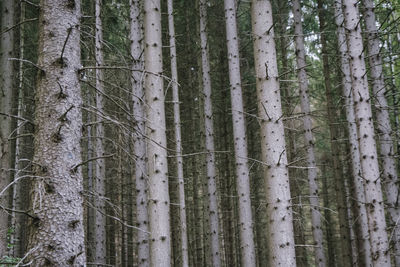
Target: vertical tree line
(199, 133)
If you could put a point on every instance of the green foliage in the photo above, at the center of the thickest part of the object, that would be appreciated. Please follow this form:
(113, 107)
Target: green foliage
(6, 261)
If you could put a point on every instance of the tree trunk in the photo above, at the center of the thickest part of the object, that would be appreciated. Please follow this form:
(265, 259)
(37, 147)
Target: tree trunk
(365, 127)
(364, 244)
(158, 206)
(209, 139)
(6, 103)
(57, 236)
(280, 228)
(320, 259)
(99, 226)
(178, 139)
(239, 135)
(139, 150)
(387, 154)
(346, 258)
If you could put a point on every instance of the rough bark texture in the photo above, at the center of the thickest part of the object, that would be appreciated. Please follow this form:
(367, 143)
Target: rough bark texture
(365, 127)
(6, 100)
(158, 206)
(57, 236)
(240, 141)
(364, 244)
(139, 150)
(320, 259)
(345, 246)
(209, 139)
(178, 138)
(280, 226)
(384, 129)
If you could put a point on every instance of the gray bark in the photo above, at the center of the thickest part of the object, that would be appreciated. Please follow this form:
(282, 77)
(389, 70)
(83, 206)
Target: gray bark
(209, 140)
(6, 103)
(320, 259)
(280, 227)
(57, 236)
(158, 206)
(139, 150)
(389, 175)
(365, 128)
(364, 244)
(240, 141)
(178, 138)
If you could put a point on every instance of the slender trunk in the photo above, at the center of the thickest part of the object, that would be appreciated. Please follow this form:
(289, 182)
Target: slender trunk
(178, 138)
(158, 206)
(139, 150)
(209, 140)
(280, 227)
(345, 259)
(364, 244)
(308, 136)
(365, 128)
(6, 103)
(239, 135)
(387, 154)
(99, 255)
(17, 220)
(57, 236)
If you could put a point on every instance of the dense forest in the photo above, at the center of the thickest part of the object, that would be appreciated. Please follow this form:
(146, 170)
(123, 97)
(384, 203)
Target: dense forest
(200, 133)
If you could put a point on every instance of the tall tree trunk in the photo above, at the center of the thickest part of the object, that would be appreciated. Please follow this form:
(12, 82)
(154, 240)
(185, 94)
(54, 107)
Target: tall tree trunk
(209, 139)
(57, 236)
(6, 103)
(139, 150)
(280, 227)
(364, 244)
(365, 127)
(316, 225)
(178, 138)
(239, 135)
(345, 259)
(100, 248)
(158, 206)
(389, 176)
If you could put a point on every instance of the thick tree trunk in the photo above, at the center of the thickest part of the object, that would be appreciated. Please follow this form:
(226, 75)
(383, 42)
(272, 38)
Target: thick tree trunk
(139, 150)
(158, 206)
(57, 236)
(364, 244)
(280, 228)
(365, 127)
(239, 135)
(178, 138)
(209, 140)
(389, 176)
(316, 225)
(6, 103)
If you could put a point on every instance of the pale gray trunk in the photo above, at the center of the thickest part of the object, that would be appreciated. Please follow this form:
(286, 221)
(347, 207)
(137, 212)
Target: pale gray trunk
(280, 227)
(364, 244)
(209, 139)
(247, 250)
(99, 225)
(384, 130)
(320, 259)
(178, 138)
(158, 206)
(57, 235)
(368, 153)
(6, 100)
(139, 150)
